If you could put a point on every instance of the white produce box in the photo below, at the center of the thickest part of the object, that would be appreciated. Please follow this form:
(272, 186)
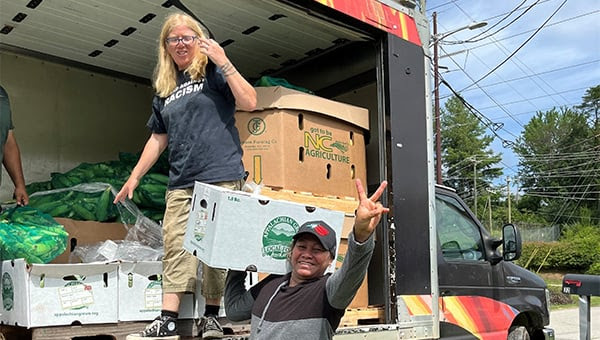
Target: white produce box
(37, 295)
(237, 230)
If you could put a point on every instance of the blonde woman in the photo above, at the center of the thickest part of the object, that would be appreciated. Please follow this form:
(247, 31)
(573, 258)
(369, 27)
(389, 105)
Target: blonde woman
(197, 90)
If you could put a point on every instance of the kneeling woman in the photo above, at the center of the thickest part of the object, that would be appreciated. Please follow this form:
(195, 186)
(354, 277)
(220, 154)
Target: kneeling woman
(307, 303)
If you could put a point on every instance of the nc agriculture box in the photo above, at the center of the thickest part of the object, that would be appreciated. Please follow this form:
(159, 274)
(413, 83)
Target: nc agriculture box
(302, 142)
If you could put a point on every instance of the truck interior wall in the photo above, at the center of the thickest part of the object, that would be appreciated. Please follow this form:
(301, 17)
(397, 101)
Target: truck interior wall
(64, 116)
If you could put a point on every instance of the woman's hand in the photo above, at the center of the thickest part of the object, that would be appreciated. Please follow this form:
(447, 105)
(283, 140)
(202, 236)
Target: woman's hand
(213, 51)
(369, 211)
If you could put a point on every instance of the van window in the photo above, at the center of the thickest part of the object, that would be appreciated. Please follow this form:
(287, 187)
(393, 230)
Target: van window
(459, 235)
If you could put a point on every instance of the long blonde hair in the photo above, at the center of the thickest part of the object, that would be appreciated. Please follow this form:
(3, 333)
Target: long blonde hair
(165, 72)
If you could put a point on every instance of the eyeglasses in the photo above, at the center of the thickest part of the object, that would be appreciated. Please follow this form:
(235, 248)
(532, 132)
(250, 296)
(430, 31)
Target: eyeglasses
(186, 39)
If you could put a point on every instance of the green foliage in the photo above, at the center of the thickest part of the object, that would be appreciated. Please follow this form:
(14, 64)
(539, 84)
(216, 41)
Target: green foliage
(557, 167)
(591, 102)
(594, 269)
(578, 250)
(466, 149)
(554, 256)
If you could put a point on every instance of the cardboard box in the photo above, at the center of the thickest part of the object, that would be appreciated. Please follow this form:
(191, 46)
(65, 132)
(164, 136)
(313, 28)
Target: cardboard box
(58, 294)
(361, 299)
(140, 293)
(88, 233)
(303, 142)
(237, 230)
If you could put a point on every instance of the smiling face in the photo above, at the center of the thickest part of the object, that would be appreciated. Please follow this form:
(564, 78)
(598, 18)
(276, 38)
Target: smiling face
(308, 259)
(182, 53)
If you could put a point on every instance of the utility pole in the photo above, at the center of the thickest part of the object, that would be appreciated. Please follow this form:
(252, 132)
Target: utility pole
(490, 211)
(475, 183)
(508, 196)
(435, 39)
(436, 96)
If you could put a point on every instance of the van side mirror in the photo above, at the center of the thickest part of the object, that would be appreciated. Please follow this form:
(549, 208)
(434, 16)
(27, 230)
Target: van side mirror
(511, 242)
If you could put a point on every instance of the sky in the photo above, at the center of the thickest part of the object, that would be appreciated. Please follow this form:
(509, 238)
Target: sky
(543, 55)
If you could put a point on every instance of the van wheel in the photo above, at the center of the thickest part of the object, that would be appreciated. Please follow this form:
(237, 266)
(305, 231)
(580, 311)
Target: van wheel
(518, 333)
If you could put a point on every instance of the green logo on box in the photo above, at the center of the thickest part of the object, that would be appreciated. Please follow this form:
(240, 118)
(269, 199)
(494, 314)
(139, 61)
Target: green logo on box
(277, 237)
(256, 126)
(8, 292)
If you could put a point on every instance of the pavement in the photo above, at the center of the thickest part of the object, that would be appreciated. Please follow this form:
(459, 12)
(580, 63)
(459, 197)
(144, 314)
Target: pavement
(565, 323)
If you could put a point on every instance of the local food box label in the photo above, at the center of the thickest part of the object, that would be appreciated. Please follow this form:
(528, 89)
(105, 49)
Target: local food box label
(153, 296)
(76, 295)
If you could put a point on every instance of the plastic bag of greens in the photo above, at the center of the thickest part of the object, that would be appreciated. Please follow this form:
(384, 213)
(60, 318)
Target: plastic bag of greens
(94, 201)
(273, 81)
(83, 202)
(27, 233)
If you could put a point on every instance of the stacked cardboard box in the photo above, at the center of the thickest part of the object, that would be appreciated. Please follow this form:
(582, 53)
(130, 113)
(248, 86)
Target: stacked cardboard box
(85, 233)
(58, 294)
(62, 293)
(307, 149)
(140, 293)
(303, 142)
(40, 295)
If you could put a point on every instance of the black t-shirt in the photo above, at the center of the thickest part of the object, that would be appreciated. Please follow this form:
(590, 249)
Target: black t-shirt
(203, 142)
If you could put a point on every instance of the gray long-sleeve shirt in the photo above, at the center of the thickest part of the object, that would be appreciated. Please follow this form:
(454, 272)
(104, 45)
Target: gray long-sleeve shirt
(310, 310)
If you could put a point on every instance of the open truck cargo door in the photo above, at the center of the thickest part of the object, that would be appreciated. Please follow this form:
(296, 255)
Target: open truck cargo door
(369, 53)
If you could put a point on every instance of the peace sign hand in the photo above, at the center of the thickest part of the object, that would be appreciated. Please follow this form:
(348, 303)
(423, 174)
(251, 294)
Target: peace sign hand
(369, 211)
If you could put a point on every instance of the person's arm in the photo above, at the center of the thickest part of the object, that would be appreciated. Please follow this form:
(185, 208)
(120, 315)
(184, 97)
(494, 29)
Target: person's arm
(238, 300)
(243, 92)
(156, 144)
(12, 163)
(343, 284)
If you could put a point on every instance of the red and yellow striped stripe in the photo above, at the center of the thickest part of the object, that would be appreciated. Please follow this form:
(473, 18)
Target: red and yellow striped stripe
(483, 317)
(379, 15)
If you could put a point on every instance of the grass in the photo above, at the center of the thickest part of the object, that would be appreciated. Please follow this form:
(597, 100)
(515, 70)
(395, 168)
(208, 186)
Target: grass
(558, 300)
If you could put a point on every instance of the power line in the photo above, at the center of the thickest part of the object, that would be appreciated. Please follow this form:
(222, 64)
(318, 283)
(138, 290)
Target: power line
(531, 30)
(493, 127)
(518, 48)
(472, 39)
(498, 41)
(485, 92)
(573, 198)
(536, 97)
(563, 68)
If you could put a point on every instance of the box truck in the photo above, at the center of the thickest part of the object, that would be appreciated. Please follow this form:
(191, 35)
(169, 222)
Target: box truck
(78, 74)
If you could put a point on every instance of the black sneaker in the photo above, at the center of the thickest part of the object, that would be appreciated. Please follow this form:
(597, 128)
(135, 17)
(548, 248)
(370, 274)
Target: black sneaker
(162, 328)
(210, 328)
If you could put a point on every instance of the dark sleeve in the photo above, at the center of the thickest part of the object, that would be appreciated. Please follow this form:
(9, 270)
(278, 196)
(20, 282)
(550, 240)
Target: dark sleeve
(156, 123)
(238, 300)
(217, 81)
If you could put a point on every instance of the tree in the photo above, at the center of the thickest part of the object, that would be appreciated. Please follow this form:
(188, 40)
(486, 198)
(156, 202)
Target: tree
(468, 161)
(590, 105)
(559, 164)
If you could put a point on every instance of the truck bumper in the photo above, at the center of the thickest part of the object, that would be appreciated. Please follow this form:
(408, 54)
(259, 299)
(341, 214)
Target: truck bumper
(548, 333)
